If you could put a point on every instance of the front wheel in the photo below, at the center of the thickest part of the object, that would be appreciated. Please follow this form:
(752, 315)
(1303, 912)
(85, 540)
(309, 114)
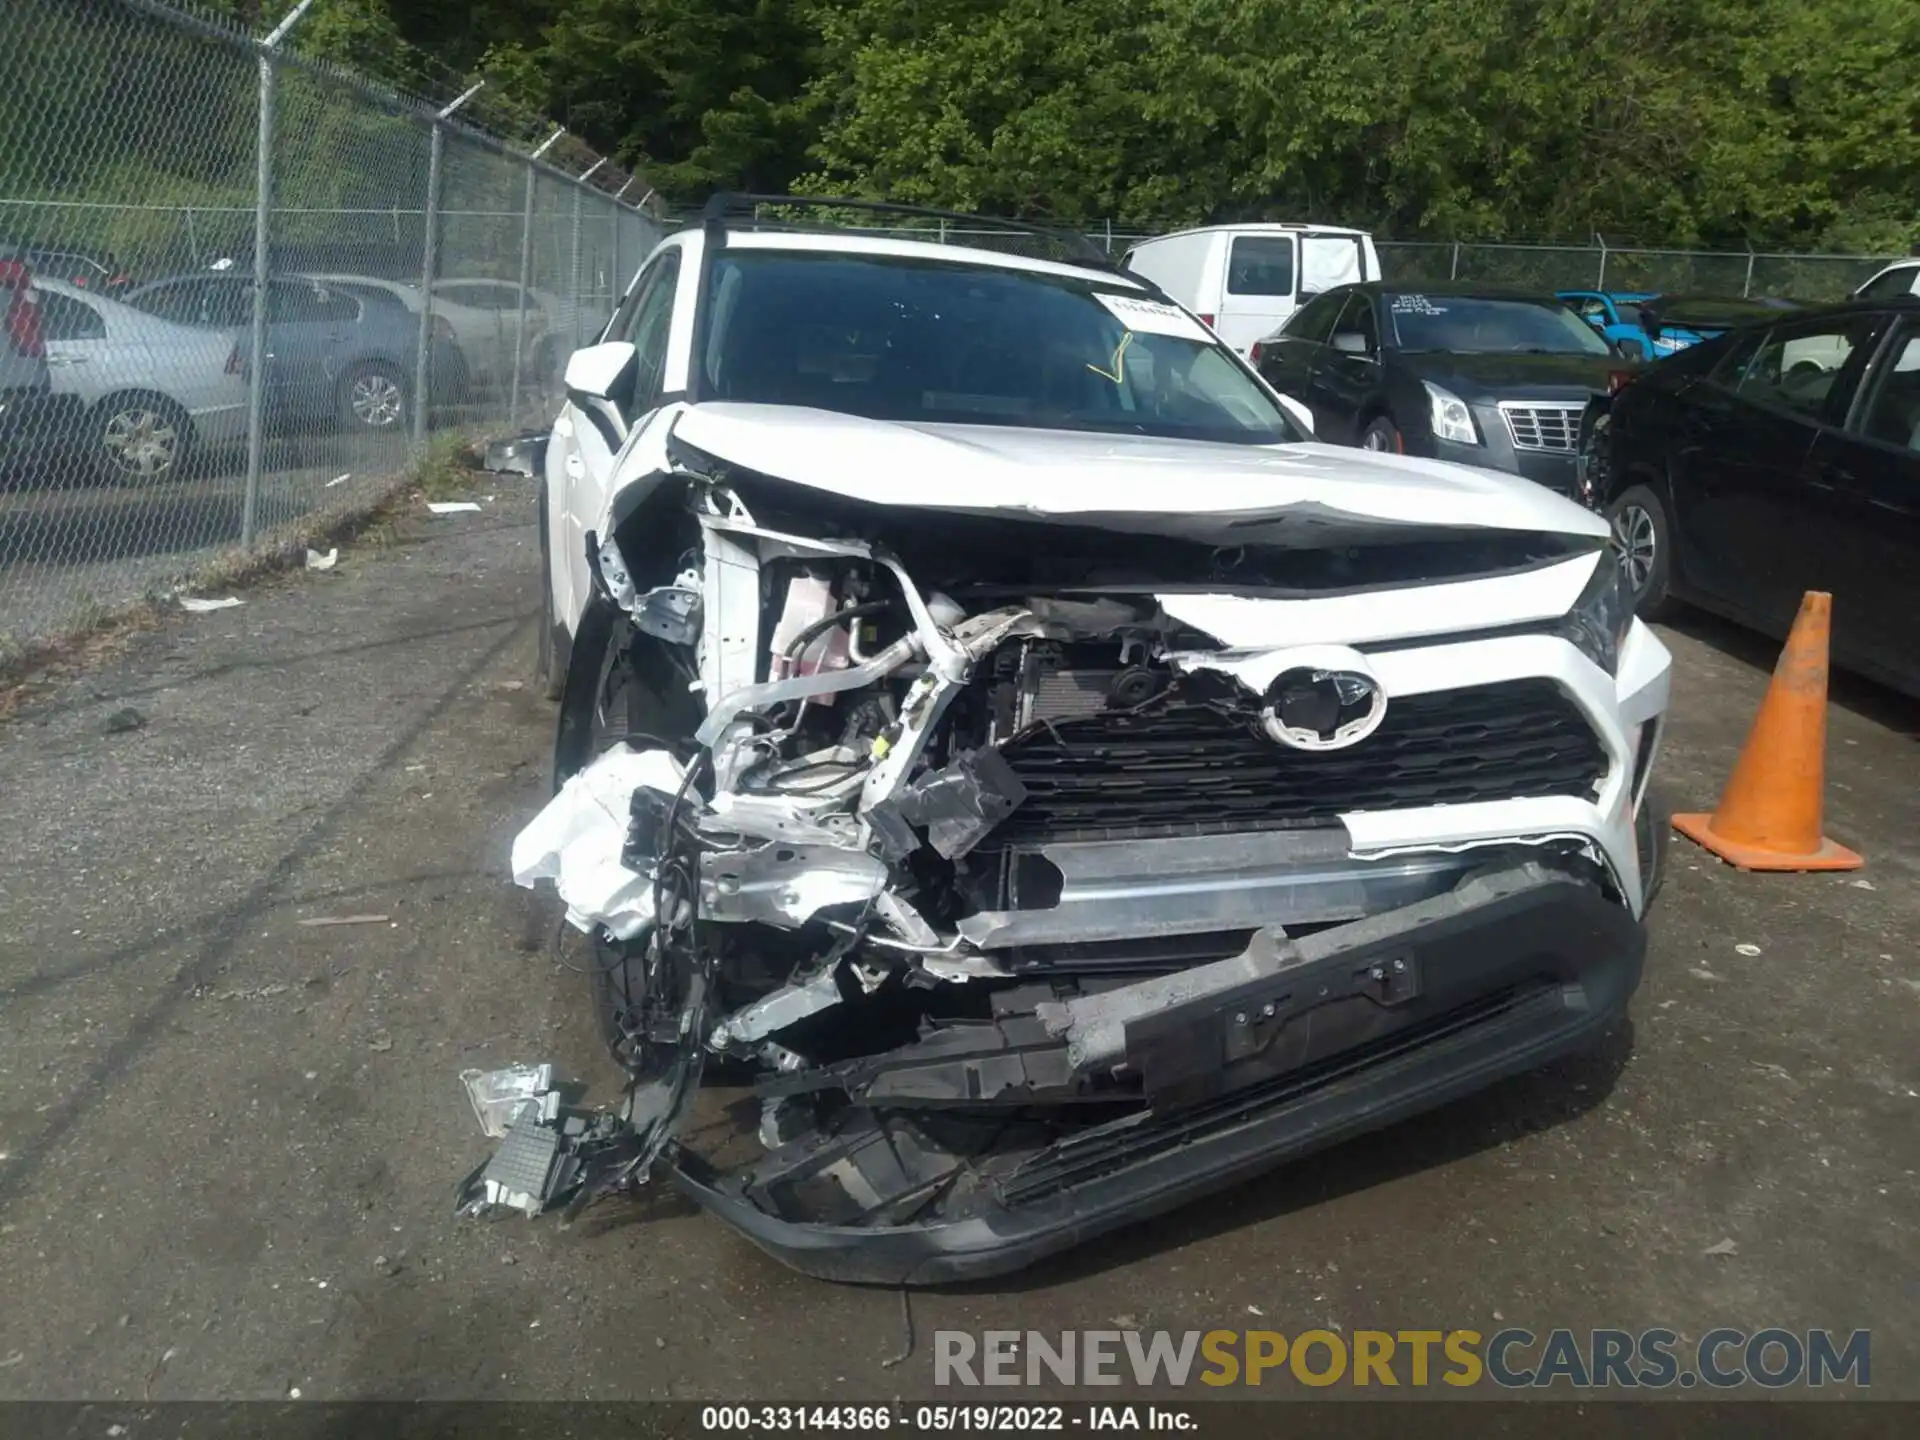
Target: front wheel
(1382, 435)
(373, 398)
(1643, 537)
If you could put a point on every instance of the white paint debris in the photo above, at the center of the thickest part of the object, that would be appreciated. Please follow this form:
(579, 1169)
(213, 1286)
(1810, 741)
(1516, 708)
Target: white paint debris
(1863, 885)
(1744, 948)
(337, 480)
(317, 561)
(452, 507)
(1721, 1247)
(201, 607)
(577, 839)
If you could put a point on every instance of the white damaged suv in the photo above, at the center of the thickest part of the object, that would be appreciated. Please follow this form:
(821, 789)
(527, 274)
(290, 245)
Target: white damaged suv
(1060, 786)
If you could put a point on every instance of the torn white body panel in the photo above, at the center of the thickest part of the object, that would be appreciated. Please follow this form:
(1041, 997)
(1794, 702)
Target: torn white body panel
(577, 838)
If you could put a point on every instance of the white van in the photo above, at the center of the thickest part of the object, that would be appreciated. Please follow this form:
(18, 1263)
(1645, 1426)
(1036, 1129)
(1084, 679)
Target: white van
(1245, 280)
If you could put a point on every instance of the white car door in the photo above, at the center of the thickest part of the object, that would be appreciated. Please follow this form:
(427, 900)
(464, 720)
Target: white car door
(1258, 295)
(81, 361)
(584, 451)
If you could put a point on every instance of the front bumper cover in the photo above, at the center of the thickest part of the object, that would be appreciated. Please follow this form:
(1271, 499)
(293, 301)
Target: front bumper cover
(1492, 981)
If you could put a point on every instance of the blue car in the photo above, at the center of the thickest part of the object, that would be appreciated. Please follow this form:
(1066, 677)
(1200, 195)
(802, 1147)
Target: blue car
(339, 352)
(1649, 324)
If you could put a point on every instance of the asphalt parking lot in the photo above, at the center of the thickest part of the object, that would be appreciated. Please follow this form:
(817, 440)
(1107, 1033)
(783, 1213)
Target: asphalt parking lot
(229, 1141)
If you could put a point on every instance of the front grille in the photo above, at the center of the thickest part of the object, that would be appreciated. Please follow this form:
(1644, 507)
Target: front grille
(1182, 768)
(1543, 427)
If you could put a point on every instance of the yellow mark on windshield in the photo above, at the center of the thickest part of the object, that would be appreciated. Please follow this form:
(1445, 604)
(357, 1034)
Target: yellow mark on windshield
(1119, 362)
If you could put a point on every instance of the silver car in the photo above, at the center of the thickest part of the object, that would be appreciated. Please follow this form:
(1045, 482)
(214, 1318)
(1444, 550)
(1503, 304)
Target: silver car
(144, 392)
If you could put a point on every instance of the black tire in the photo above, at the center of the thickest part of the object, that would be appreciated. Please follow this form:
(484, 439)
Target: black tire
(1644, 536)
(140, 438)
(547, 678)
(373, 399)
(1382, 435)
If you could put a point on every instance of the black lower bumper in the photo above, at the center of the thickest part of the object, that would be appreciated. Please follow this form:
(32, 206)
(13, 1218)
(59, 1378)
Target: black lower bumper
(1506, 985)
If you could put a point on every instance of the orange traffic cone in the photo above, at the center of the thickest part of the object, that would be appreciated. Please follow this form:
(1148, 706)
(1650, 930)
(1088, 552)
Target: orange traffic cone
(1769, 815)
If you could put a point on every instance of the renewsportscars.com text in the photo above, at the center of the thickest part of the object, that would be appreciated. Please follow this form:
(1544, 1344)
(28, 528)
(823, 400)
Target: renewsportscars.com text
(1512, 1358)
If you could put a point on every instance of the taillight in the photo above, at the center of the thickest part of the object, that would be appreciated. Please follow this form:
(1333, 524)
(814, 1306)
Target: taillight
(1207, 320)
(235, 365)
(23, 310)
(1617, 380)
(1257, 351)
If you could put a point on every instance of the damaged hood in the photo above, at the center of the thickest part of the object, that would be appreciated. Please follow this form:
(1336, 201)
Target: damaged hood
(1224, 493)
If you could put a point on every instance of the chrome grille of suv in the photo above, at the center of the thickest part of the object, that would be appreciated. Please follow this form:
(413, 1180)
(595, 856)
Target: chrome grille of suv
(1542, 427)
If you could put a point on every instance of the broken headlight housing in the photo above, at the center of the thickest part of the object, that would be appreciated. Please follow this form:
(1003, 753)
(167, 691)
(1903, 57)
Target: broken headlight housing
(1597, 624)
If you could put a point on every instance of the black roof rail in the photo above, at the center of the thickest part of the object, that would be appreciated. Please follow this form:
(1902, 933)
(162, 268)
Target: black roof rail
(731, 208)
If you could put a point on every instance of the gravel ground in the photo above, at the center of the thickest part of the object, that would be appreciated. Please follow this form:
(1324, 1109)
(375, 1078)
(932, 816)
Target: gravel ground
(229, 1142)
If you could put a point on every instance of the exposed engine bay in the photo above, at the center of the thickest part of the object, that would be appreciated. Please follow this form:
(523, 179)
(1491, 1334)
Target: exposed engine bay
(1027, 902)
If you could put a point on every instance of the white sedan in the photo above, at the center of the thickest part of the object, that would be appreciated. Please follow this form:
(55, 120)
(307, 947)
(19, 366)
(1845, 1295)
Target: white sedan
(148, 391)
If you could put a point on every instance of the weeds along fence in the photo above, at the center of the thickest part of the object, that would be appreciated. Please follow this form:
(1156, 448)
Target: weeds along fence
(257, 284)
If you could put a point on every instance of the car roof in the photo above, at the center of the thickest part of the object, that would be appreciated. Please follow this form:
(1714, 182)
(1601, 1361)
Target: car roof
(1630, 297)
(1460, 289)
(841, 242)
(1260, 227)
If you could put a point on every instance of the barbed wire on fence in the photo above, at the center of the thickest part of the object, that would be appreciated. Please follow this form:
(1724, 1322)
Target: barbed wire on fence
(259, 282)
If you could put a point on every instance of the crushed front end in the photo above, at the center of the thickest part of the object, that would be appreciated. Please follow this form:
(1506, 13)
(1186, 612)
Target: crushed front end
(1047, 872)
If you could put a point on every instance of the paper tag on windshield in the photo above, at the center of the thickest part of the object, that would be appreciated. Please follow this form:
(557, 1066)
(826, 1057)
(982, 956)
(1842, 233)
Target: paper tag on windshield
(1154, 317)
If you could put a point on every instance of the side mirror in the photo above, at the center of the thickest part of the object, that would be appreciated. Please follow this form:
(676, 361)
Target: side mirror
(1350, 342)
(595, 377)
(595, 372)
(1298, 413)
(522, 455)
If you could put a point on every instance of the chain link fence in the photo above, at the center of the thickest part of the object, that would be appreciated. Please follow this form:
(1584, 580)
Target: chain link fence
(239, 288)
(1809, 278)
(1599, 267)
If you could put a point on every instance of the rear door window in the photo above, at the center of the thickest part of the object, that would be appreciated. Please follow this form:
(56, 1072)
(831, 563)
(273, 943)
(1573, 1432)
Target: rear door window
(1804, 368)
(185, 302)
(227, 303)
(1314, 320)
(1892, 414)
(64, 318)
(482, 294)
(1357, 332)
(293, 303)
(1260, 265)
(1896, 282)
